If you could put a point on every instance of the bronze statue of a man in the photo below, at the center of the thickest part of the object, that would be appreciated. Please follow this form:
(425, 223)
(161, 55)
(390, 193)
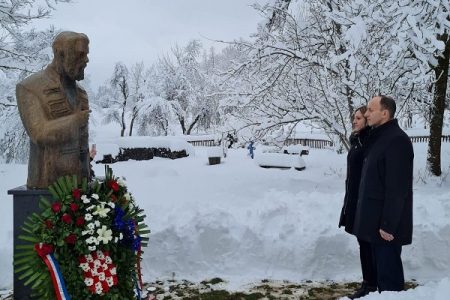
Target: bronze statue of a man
(54, 110)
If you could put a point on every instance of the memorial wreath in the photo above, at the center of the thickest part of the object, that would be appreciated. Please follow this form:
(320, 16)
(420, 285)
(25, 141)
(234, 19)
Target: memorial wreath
(86, 244)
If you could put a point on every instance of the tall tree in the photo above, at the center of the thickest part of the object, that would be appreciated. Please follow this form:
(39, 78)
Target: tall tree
(115, 95)
(310, 62)
(184, 84)
(138, 79)
(421, 27)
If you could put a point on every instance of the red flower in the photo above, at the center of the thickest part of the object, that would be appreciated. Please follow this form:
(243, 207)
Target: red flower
(48, 224)
(43, 249)
(112, 184)
(73, 207)
(80, 221)
(56, 207)
(105, 287)
(66, 219)
(71, 239)
(113, 198)
(76, 193)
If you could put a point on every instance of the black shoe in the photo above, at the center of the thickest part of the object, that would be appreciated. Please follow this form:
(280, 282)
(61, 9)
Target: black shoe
(364, 290)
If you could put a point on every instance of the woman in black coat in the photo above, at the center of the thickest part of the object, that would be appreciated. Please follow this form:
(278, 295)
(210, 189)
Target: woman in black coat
(355, 160)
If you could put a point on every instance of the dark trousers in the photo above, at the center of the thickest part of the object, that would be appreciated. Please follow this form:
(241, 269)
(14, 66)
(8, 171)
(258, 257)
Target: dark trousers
(368, 269)
(389, 268)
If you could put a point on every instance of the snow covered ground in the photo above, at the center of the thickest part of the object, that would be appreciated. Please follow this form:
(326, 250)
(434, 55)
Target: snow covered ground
(244, 223)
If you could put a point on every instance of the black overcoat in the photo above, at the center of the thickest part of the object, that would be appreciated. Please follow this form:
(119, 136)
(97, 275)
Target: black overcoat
(355, 159)
(385, 198)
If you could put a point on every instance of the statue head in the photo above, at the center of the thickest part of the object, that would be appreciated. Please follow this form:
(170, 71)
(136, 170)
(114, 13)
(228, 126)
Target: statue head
(70, 51)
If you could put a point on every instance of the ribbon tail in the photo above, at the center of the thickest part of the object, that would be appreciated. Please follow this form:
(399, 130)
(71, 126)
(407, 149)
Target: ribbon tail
(57, 279)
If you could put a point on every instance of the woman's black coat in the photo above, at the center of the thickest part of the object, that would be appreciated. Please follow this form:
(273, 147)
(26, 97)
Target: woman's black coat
(386, 190)
(355, 159)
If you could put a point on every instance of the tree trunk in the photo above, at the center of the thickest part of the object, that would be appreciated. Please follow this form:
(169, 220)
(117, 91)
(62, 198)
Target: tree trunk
(124, 90)
(122, 131)
(188, 132)
(133, 118)
(182, 123)
(438, 109)
(131, 126)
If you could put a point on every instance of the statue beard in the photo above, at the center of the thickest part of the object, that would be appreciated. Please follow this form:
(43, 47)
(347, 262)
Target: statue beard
(73, 69)
(75, 72)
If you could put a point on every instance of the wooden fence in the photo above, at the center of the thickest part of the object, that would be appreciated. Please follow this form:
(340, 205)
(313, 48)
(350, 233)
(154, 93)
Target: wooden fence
(315, 143)
(425, 139)
(203, 143)
(312, 143)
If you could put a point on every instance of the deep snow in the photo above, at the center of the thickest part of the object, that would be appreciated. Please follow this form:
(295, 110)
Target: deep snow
(244, 223)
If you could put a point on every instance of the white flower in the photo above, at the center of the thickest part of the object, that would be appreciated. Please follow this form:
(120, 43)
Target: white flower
(104, 234)
(101, 210)
(121, 182)
(94, 272)
(113, 271)
(90, 240)
(91, 226)
(108, 260)
(92, 248)
(101, 276)
(88, 281)
(98, 288)
(110, 281)
(97, 223)
(100, 255)
(116, 239)
(90, 208)
(94, 196)
(127, 196)
(88, 217)
(86, 232)
(97, 263)
(120, 236)
(85, 267)
(89, 258)
(85, 199)
(111, 204)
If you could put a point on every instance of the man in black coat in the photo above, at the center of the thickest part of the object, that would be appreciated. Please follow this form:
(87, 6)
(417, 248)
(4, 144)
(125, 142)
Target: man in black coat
(384, 210)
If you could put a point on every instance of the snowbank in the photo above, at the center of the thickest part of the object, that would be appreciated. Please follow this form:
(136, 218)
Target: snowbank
(245, 223)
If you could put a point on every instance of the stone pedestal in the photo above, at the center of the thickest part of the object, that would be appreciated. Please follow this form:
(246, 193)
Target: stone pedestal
(26, 201)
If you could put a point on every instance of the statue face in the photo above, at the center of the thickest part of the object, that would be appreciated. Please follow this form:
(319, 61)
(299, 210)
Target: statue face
(76, 59)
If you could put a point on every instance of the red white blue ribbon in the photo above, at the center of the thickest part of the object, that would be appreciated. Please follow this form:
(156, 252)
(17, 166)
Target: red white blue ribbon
(45, 251)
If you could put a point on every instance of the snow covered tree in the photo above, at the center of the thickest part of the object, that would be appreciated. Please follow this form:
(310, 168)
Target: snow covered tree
(421, 28)
(22, 51)
(114, 97)
(138, 91)
(184, 85)
(36, 52)
(316, 62)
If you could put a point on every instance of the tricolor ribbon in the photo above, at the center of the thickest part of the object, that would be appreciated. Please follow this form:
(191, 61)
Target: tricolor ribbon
(45, 251)
(139, 283)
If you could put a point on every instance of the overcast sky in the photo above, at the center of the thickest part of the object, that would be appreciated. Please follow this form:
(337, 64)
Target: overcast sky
(142, 30)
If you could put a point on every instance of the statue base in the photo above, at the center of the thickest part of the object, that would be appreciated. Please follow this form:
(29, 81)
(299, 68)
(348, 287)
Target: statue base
(26, 202)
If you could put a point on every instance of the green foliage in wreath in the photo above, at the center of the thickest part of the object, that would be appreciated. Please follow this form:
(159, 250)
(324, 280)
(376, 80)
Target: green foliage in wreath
(95, 232)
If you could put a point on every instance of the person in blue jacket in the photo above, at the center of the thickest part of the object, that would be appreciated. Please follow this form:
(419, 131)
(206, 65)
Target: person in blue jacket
(250, 150)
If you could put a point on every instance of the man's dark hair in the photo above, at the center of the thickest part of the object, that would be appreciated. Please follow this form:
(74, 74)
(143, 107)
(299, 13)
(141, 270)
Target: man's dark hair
(388, 103)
